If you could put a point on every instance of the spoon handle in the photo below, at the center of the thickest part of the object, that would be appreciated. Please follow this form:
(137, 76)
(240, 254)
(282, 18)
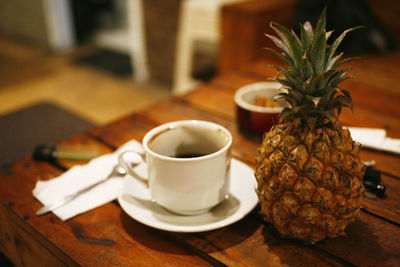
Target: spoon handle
(64, 200)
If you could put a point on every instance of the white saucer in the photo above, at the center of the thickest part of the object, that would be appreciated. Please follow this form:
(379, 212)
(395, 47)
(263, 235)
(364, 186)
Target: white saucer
(135, 200)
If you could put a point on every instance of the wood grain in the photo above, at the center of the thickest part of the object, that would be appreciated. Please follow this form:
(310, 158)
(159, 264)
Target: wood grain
(106, 235)
(101, 235)
(244, 150)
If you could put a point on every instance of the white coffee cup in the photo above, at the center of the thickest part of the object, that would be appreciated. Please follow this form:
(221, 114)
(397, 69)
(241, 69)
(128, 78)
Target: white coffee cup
(188, 165)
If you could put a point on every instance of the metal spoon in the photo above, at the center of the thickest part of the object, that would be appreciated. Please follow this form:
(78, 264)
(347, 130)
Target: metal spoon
(116, 171)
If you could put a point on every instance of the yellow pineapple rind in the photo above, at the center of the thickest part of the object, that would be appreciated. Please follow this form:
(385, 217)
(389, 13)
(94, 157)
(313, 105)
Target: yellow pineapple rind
(309, 182)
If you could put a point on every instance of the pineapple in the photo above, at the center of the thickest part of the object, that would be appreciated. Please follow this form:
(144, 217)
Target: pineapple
(308, 169)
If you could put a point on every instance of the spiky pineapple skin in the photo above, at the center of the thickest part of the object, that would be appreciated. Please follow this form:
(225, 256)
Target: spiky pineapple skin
(309, 181)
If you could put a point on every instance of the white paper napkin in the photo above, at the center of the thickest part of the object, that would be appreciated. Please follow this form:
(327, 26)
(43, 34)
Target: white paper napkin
(375, 138)
(81, 176)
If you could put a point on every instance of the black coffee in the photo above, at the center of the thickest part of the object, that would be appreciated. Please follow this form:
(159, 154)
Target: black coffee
(187, 142)
(188, 155)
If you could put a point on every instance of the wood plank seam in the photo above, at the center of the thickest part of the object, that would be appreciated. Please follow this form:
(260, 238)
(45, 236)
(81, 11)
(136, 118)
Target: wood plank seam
(84, 239)
(202, 110)
(195, 250)
(379, 216)
(390, 175)
(330, 255)
(187, 103)
(255, 214)
(31, 232)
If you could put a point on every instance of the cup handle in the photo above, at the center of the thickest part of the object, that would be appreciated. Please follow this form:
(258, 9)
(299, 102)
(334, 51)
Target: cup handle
(129, 165)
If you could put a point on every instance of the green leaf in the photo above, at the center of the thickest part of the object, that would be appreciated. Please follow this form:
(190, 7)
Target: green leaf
(287, 61)
(337, 65)
(306, 39)
(298, 42)
(309, 30)
(326, 98)
(336, 77)
(291, 40)
(331, 117)
(318, 52)
(321, 93)
(285, 82)
(280, 44)
(294, 79)
(321, 24)
(306, 70)
(298, 95)
(332, 62)
(297, 109)
(344, 92)
(337, 42)
(307, 103)
(316, 84)
(339, 110)
(327, 76)
(291, 100)
(286, 112)
(341, 101)
(341, 79)
(328, 34)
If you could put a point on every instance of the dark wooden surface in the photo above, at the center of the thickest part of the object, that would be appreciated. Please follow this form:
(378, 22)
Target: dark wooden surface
(107, 236)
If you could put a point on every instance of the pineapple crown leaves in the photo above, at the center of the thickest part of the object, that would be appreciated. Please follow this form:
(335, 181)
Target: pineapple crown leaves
(312, 75)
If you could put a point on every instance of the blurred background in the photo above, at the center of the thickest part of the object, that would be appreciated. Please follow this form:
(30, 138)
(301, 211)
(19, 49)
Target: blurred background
(68, 65)
(107, 58)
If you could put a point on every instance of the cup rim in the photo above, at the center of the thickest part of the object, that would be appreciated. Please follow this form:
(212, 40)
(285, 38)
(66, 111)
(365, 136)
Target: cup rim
(257, 86)
(170, 125)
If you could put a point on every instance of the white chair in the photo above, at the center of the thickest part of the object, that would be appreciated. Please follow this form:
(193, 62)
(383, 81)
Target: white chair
(199, 20)
(130, 38)
(137, 40)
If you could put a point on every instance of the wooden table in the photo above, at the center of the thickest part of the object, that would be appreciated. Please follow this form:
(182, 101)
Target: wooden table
(107, 236)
